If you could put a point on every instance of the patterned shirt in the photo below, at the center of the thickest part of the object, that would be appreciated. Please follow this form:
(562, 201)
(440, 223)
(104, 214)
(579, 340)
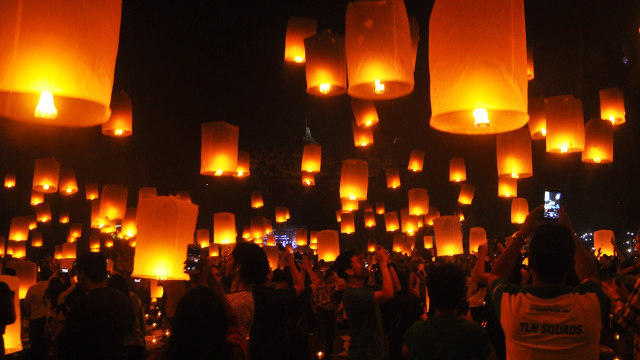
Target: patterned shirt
(242, 304)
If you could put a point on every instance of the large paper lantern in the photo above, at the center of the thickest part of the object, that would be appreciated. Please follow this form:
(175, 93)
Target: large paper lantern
(43, 213)
(36, 239)
(69, 250)
(364, 112)
(418, 201)
(224, 228)
(128, 227)
(33, 222)
(326, 67)
(94, 243)
(75, 230)
(311, 158)
(507, 187)
(298, 29)
(565, 124)
(328, 245)
(391, 221)
(308, 179)
(203, 237)
(260, 226)
(243, 169)
(537, 118)
(380, 208)
(155, 291)
(12, 333)
(17, 249)
(393, 178)
(36, 197)
(282, 214)
(354, 179)
(144, 192)
(19, 230)
(113, 202)
(477, 237)
(427, 240)
(301, 237)
(92, 191)
(362, 136)
(219, 152)
(457, 170)
(165, 228)
(339, 215)
(604, 241)
(256, 199)
(466, 194)
(433, 214)
(519, 210)
(349, 205)
(273, 256)
(612, 105)
(530, 69)
(598, 142)
(416, 160)
(67, 183)
(46, 174)
(9, 180)
(478, 66)
(58, 61)
(409, 223)
(513, 153)
(378, 49)
(448, 235)
(369, 219)
(120, 121)
(63, 216)
(313, 237)
(347, 223)
(400, 244)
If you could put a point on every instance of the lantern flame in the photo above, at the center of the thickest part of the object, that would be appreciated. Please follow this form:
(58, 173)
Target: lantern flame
(564, 149)
(299, 59)
(596, 159)
(240, 173)
(515, 175)
(325, 88)
(218, 173)
(482, 118)
(543, 131)
(118, 132)
(379, 87)
(45, 186)
(45, 108)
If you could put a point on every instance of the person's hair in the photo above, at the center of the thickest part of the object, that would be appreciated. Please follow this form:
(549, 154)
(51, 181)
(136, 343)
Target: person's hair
(93, 266)
(119, 283)
(55, 288)
(45, 271)
(446, 286)
(254, 265)
(551, 252)
(343, 262)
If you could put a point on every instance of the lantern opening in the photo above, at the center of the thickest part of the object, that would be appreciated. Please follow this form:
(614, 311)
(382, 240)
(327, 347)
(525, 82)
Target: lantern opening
(612, 119)
(324, 88)
(298, 59)
(596, 159)
(45, 108)
(45, 186)
(218, 173)
(379, 87)
(515, 175)
(240, 173)
(481, 118)
(118, 132)
(564, 149)
(543, 131)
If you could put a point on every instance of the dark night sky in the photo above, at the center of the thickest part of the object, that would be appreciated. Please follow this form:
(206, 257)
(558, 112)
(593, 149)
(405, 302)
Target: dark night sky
(185, 63)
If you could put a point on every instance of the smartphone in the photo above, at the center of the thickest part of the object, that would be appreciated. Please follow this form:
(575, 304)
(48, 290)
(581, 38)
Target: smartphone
(64, 270)
(552, 198)
(194, 256)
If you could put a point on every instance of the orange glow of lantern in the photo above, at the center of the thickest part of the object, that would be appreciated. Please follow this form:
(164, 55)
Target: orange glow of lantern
(416, 160)
(400, 244)
(17, 249)
(57, 252)
(349, 205)
(362, 136)
(271, 240)
(282, 214)
(507, 187)
(311, 158)
(537, 118)
(391, 221)
(58, 61)
(364, 111)
(202, 237)
(565, 124)
(530, 72)
(273, 256)
(19, 230)
(308, 179)
(71, 239)
(418, 201)
(224, 228)
(12, 333)
(519, 210)
(244, 165)
(108, 243)
(369, 219)
(108, 227)
(339, 215)
(113, 202)
(128, 227)
(33, 222)
(598, 142)
(36, 239)
(301, 237)
(457, 170)
(460, 215)
(431, 215)
(27, 273)
(604, 241)
(43, 213)
(347, 223)
(9, 180)
(2, 243)
(155, 291)
(69, 250)
(477, 237)
(612, 106)
(94, 242)
(219, 152)
(67, 183)
(120, 121)
(75, 230)
(256, 199)
(380, 208)
(408, 222)
(91, 191)
(393, 178)
(371, 245)
(466, 194)
(478, 66)
(36, 197)
(427, 241)
(165, 227)
(513, 153)
(414, 28)
(298, 29)
(246, 232)
(326, 67)
(366, 207)
(354, 179)
(378, 50)
(328, 245)
(313, 237)
(63, 216)
(260, 226)
(145, 192)
(448, 235)
(46, 174)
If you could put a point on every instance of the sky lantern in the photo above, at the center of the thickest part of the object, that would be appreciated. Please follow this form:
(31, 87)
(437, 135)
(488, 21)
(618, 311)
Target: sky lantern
(27, 273)
(347, 223)
(57, 252)
(364, 111)
(75, 230)
(328, 245)
(507, 187)
(380, 208)
(219, 152)
(366, 206)
(298, 29)
(393, 178)
(165, 228)
(63, 216)
(96, 220)
(33, 222)
(414, 29)
(224, 228)
(36, 197)
(69, 250)
(537, 118)
(256, 199)
(311, 158)
(530, 72)
(246, 232)
(45, 175)
(2, 243)
(416, 160)
(36, 239)
(349, 205)
(243, 169)
(466, 194)
(448, 235)
(108, 242)
(362, 136)
(71, 239)
(92, 191)
(612, 105)
(58, 61)
(378, 49)
(94, 242)
(326, 67)
(120, 121)
(9, 180)
(513, 153)
(19, 230)
(565, 124)
(477, 237)
(202, 237)
(339, 215)
(519, 210)
(354, 179)
(418, 201)
(603, 241)
(408, 222)
(457, 170)
(282, 214)
(113, 202)
(433, 214)
(43, 213)
(67, 183)
(273, 256)
(308, 179)
(369, 219)
(371, 245)
(271, 240)
(598, 142)
(478, 66)
(128, 227)
(399, 243)
(259, 227)
(12, 333)
(17, 249)
(148, 191)
(313, 237)
(427, 240)
(301, 237)
(391, 221)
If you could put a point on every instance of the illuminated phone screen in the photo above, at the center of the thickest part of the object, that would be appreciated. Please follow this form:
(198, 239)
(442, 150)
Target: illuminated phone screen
(552, 204)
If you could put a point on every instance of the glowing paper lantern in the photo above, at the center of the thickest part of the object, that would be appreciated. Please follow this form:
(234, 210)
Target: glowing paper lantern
(108, 243)
(364, 111)
(9, 180)
(46, 174)
(612, 106)
(408, 222)
(246, 232)
(91, 191)
(308, 179)
(354, 179)
(460, 215)
(71, 239)
(120, 121)
(391, 221)
(259, 227)
(145, 192)
(271, 240)
(349, 205)
(36, 239)
(58, 61)
(427, 241)
(2, 243)
(19, 230)
(202, 237)
(94, 243)
(273, 256)
(478, 66)
(33, 222)
(513, 153)
(418, 201)
(69, 250)
(12, 333)
(380, 208)
(75, 230)
(113, 202)
(362, 136)
(416, 160)
(366, 207)
(224, 228)
(378, 49)
(604, 241)
(448, 235)
(36, 197)
(313, 237)
(347, 223)
(128, 227)
(326, 67)
(43, 213)
(165, 227)
(537, 118)
(432, 215)
(598, 142)
(400, 244)
(530, 72)
(256, 199)
(466, 194)
(371, 245)
(27, 273)
(243, 169)
(339, 215)
(301, 237)
(328, 245)
(457, 170)
(477, 237)
(57, 252)
(311, 158)
(393, 178)
(369, 219)
(565, 124)
(519, 210)
(17, 249)
(219, 152)
(298, 29)
(507, 187)
(155, 291)
(67, 183)
(282, 214)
